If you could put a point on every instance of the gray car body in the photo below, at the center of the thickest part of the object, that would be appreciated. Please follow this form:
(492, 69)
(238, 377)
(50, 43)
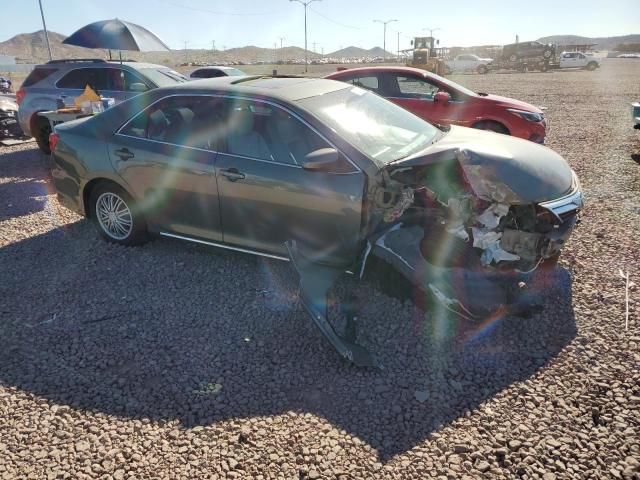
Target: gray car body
(326, 222)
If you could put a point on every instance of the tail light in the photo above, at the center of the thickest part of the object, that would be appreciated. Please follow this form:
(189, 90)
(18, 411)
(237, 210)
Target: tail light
(53, 141)
(20, 95)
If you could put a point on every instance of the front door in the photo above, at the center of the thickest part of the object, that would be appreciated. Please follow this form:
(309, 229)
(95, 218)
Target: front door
(267, 198)
(416, 94)
(166, 155)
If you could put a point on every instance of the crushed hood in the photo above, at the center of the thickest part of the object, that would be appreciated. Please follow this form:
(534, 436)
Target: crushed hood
(515, 170)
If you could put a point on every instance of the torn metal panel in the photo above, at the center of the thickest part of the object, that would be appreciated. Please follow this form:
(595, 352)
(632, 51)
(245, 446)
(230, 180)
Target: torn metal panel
(315, 282)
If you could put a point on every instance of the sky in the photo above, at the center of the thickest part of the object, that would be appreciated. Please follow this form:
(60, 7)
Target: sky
(332, 24)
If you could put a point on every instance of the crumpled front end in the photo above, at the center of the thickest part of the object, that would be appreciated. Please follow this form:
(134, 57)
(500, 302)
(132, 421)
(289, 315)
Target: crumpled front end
(464, 223)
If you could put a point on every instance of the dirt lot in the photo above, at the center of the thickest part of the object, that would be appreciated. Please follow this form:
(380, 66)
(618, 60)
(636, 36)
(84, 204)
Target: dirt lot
(178, 361)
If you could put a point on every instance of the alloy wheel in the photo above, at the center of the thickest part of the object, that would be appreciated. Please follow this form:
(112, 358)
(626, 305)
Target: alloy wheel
(114, 216)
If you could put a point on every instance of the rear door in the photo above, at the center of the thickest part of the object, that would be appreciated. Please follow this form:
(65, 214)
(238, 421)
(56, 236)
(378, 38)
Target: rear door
(166, 156)
(267, 198)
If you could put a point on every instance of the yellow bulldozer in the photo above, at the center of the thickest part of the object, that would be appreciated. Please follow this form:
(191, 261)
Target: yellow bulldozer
(425, 56)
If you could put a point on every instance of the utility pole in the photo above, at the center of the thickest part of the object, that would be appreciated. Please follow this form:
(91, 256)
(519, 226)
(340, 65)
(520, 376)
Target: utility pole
(314, 47)
(384, 41)
(213, 45)
(185, 51)
(398, 46)
(46, 34)
(306, 62)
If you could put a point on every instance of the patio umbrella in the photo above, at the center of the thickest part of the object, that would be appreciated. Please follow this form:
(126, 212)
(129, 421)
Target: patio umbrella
(116, 35)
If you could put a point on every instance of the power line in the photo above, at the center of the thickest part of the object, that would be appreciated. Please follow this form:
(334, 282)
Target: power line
(334, 21)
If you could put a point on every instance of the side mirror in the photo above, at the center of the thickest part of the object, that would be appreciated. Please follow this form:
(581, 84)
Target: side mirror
(442, 97)
(138, 87)
(323, 160)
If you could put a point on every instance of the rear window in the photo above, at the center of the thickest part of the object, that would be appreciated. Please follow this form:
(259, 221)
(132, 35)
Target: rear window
(40, 73)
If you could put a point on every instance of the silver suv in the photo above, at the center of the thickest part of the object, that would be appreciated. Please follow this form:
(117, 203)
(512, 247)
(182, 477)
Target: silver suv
(68, 78)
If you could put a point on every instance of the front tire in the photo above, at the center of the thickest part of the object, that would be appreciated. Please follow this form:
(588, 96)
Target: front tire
(492, 126)
(116, 216)
(591, 66)
(482, 69)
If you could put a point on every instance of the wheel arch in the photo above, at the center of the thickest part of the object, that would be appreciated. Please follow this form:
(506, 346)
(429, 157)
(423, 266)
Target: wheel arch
(89, 186)
(491, 120)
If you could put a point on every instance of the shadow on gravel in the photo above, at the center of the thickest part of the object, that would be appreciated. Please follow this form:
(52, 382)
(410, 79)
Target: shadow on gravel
(635, 157)
(26, 193)
(171, 331)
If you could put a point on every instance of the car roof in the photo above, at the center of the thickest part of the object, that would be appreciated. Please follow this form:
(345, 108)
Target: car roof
(399, 69)
(283, 88)
(81, 64)
(221, 67)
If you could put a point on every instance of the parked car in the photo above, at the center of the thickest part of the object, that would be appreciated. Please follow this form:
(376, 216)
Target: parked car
(213, 71)
(468, 63)
(578, 60)
(442, 101)
(9, 126)
(526, 50)
(326, 175)
(68, 78)
(5, 85)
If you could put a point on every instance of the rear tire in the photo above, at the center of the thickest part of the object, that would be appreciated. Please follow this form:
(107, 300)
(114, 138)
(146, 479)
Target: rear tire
(41, 134)
(116, 216)
(492, 126)
(482, 69)
(544, 67)
(591, 66)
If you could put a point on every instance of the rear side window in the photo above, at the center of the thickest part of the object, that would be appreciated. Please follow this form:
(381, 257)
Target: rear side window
(79, 78)
(189, 121)
(38, 75)
(207, 73)
(369, 82)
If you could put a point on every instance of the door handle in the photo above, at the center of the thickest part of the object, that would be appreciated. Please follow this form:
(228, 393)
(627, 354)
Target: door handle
(232, 174)
(124, 154)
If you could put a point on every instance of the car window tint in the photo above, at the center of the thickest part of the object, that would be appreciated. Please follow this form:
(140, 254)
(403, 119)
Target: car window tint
(37, 75)
(413, 87)
(370, 82)
(119, 80)
(265, 132)
(79, 78)
(192, 121)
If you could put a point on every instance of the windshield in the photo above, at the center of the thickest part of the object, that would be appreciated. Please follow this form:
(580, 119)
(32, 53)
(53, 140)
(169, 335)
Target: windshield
(378, 128)
(234, 72)
(163, 77)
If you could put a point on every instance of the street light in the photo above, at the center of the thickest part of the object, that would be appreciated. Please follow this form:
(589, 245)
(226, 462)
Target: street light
(384, 42)
(305, 27)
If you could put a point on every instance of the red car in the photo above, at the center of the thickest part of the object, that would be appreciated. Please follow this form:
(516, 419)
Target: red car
(442, 101)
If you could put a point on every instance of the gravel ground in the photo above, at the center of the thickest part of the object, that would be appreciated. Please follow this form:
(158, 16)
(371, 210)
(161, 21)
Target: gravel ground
(173, 360)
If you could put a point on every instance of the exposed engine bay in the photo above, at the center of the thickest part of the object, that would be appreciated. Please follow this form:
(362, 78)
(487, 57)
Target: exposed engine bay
(455, 231)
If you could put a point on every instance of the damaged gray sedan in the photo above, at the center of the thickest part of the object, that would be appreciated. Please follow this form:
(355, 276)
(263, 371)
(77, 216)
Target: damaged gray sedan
(326, 175)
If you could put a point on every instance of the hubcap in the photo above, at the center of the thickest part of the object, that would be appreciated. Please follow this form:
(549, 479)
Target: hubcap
(114, 216)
